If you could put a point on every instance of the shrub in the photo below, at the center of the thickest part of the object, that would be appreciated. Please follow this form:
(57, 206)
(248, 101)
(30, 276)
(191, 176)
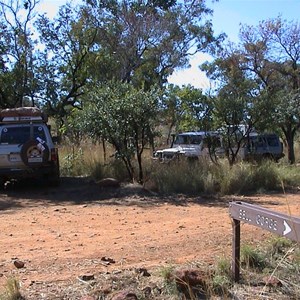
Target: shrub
(234, 179)
(221, 279)
(184, 176)
(114, 169)
(252, 258)
(169, 284)
(221, 284)
(279, 245)
(245, 177)
(296, 257)
(72, 162)
(223, 267)
(289, 175)
(266, 176)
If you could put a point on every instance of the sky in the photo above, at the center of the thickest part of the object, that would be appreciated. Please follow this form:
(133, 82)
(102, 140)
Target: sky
(227, 17)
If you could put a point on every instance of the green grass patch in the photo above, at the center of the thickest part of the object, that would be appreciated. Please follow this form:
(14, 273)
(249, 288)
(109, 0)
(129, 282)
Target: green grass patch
(252, 258)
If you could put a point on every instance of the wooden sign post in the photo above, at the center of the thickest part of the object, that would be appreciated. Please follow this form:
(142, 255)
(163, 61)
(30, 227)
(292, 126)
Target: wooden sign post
(278, 223)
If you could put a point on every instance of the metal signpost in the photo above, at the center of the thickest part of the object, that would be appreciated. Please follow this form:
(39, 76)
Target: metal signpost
(278, 223)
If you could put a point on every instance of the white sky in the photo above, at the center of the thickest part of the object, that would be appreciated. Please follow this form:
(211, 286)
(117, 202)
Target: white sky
(227, 17)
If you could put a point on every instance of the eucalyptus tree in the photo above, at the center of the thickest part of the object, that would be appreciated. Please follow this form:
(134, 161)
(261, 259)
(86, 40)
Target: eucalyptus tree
(171, 110)
(63, 61)
(185, 109)
(18, 83)
(142, 41)
(239, 105)
(267, 58)
(272, 56)
(138, 42)
(126, 118)
(196, 109)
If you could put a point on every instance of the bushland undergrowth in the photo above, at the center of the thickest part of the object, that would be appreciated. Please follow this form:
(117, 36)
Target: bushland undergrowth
(189, 177)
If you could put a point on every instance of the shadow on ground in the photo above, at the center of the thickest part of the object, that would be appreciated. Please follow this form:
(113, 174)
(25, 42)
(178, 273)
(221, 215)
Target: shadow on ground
(81, 190)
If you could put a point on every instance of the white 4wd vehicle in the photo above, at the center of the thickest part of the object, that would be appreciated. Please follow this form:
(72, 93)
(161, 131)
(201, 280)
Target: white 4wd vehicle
(26, 146)
(190, 145)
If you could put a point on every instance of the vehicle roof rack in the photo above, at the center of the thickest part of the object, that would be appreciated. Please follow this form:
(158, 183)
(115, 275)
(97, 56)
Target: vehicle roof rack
(22, 114)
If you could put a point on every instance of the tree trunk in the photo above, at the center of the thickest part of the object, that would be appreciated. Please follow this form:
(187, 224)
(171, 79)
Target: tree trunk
(139, 151)
(104, 150)
(169, 132)
(289, 135)
(129, 168)
(141, 173)
(290, 148)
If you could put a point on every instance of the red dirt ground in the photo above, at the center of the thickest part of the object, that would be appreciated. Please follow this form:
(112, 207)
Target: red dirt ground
(63, 233)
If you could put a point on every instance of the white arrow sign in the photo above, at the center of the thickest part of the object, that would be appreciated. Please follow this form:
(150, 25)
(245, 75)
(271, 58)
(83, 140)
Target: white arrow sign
(287, 228)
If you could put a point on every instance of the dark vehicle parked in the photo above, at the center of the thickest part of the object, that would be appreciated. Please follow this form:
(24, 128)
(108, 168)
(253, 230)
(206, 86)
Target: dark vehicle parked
(262, 146)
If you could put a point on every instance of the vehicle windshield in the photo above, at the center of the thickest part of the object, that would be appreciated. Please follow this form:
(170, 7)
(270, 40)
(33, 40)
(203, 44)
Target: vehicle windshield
(20, 134)
(188, 139)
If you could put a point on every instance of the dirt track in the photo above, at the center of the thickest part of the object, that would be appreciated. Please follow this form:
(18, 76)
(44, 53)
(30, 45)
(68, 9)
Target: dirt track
(79, 229)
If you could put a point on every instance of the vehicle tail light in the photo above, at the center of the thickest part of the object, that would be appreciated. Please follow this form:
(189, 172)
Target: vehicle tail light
(54, 154)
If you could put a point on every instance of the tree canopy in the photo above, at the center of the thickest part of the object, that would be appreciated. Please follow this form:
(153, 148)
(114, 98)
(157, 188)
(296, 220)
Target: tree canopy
(99, 47)
(125, 117)
(262, 71)
(136, 42)
(18, 76)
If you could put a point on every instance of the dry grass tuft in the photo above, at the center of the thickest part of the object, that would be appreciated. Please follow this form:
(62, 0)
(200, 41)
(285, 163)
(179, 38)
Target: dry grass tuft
(11, 290)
